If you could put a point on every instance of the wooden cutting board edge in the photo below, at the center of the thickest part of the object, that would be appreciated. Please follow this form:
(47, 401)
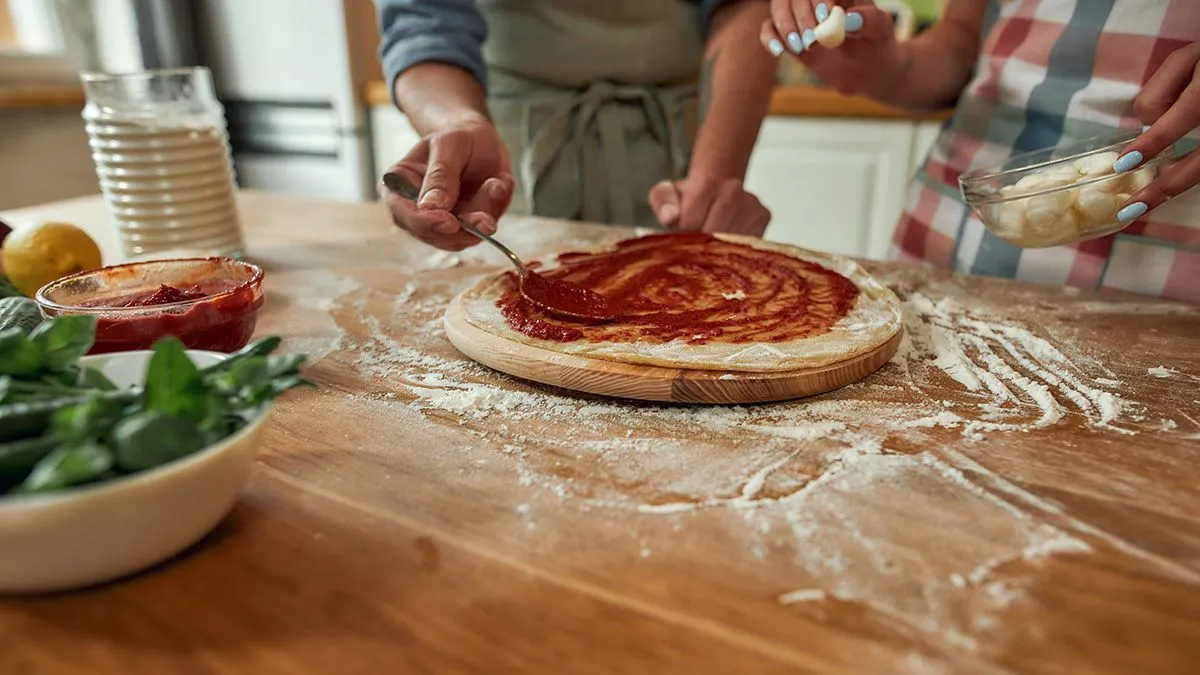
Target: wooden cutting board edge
(653, 383)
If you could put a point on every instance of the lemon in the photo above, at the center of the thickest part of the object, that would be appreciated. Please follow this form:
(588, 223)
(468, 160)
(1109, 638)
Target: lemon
(36, 255)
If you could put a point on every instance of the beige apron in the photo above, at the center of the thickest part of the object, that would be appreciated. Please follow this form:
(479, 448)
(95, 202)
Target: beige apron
(595, 100)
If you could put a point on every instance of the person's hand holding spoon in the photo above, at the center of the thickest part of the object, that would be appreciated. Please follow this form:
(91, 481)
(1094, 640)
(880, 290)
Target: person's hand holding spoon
(555, 296)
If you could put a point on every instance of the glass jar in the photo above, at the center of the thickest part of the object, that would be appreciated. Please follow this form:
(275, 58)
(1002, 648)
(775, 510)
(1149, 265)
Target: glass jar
(161, 149)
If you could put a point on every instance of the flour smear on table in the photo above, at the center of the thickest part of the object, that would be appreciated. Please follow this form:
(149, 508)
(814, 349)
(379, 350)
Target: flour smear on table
(823, 483)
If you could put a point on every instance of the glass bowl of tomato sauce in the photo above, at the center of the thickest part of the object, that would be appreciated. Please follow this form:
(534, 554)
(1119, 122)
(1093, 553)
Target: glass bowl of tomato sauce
(210, 304)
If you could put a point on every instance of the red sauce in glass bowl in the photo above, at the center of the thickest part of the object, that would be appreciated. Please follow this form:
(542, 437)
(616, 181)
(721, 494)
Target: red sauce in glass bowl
(208, 303)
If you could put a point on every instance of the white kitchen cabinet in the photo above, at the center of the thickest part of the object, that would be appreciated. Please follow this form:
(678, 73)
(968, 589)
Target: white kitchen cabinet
(831, 184)
(391, 137)
(924, 138)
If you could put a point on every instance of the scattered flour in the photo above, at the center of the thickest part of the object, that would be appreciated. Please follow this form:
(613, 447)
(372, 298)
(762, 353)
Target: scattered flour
(440, 260)
(829, 482)
(1161, 372)
(803, 595)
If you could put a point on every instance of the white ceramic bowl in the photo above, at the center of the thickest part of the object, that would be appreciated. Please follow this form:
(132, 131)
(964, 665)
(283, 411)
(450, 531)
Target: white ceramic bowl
(91, 534)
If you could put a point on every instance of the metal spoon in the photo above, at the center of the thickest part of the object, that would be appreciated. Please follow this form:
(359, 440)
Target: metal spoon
(553, 295)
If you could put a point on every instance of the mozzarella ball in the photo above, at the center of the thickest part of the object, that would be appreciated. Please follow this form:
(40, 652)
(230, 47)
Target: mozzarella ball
(1036, 182)
(1138, 180)
(1097, 165)
(1044, 210)
(1097, 204)
(1009, 219)
(1066, 228)
(831, 32)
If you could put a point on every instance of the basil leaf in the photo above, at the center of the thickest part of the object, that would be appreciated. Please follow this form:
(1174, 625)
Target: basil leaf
(254, 349)
(153, 438)
(68, 465)
(18, 355)
(64, 340)
(174, 385)
(8, 289)
(17, 459)
(5, 388)
(88, 420)
(90, 378)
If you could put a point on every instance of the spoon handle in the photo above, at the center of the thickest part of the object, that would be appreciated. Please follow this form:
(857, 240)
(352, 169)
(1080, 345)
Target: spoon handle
(399, 185)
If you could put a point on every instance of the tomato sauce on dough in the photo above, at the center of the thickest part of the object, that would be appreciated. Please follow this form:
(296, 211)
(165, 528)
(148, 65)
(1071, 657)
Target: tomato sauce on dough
(693, 287)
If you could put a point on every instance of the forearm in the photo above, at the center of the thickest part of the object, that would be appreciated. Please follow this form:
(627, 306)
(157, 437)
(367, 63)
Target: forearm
(438, 96)
(930, 71)
(737, 78)
(431, 52)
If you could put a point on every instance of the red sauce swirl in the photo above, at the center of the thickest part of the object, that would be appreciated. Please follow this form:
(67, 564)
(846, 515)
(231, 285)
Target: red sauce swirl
(694, 287)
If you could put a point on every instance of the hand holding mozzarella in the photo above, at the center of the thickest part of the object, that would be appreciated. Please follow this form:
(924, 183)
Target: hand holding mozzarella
(849, 44)
(1170, 104)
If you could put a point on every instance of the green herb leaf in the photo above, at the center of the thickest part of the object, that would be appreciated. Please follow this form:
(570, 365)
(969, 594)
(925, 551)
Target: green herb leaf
(259, 348)
(5, 388)
(8, 290)
(18, 355)
(89, 420)
(153, 438)
(68, 465)
(174, 385)
(18, 458)
(23, 419)
(64, 340)
(89, 377)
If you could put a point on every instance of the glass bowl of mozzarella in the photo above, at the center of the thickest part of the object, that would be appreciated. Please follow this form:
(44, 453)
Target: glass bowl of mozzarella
(1061, 195)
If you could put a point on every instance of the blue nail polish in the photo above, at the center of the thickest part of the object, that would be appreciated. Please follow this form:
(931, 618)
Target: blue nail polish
(854, 22)
(796, 43)
(1132, 212)
(809, 38)
(776, 47)
(822, 12)
(1128, 162)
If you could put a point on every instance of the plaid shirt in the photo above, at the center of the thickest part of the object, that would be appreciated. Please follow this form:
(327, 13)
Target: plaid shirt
(1055, 71)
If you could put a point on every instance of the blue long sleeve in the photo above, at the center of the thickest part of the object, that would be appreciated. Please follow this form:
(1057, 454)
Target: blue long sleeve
(451, 31)
(417, 31)
(707, 8)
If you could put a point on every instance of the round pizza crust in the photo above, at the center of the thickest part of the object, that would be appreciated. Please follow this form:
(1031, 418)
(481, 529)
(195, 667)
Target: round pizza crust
(875, 318)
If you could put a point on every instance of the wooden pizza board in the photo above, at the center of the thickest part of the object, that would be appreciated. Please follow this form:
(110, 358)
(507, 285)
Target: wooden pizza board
(653, 383)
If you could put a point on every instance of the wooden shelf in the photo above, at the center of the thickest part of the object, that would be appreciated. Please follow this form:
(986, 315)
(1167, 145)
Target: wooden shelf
(809, 101)
(789, 100)
(33, 97)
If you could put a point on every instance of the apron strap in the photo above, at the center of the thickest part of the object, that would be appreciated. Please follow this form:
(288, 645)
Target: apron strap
(601, 111)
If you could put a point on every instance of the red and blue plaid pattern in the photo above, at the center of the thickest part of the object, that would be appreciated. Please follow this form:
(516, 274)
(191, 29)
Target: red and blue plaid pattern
(1055, 71)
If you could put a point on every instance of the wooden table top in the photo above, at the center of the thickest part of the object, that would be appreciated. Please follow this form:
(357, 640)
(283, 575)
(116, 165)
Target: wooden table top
(1016, 492)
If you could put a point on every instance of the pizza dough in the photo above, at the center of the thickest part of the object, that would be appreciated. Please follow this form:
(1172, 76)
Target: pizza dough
(874, 317)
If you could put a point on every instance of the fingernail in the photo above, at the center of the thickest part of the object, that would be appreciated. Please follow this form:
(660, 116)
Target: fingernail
(822, 12)
(1132, 212)
(796, 43)
(854, 22)
(775, 46)
(431, 200)
(1128, 162)
(809, 38)
(668, 214)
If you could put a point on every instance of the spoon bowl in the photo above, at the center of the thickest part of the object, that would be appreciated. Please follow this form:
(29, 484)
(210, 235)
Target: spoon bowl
(555, 296)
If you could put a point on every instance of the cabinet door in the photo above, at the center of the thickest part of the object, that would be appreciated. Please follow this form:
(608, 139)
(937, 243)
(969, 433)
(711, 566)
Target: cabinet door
(832, 185)
(923, 139)
(391, 137)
